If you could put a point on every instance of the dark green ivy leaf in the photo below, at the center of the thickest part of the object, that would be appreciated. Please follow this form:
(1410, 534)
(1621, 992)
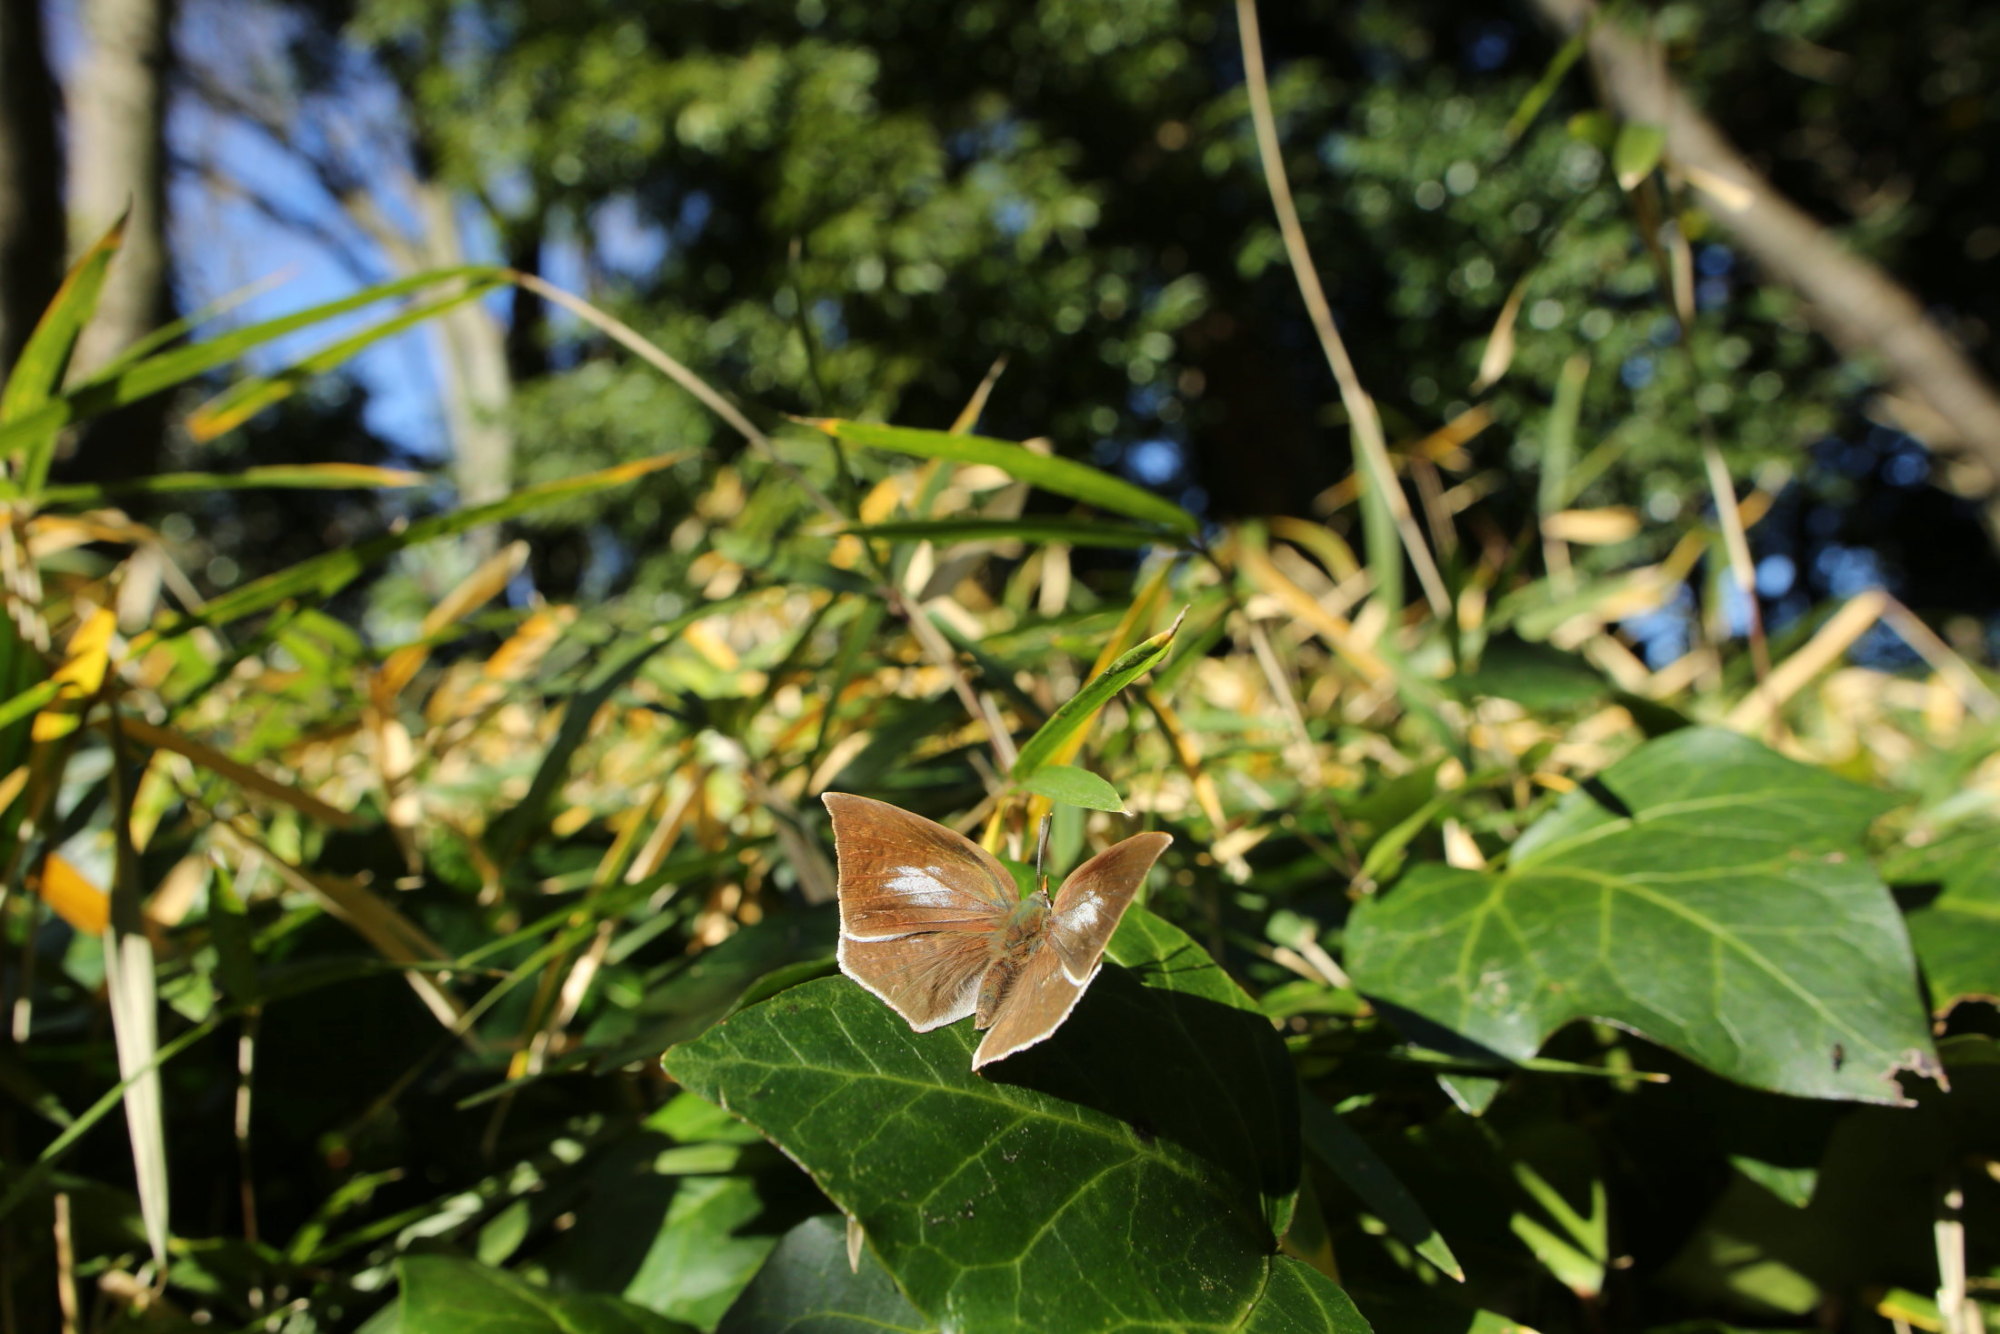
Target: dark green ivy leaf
(1705, 893)
(1131, 1172)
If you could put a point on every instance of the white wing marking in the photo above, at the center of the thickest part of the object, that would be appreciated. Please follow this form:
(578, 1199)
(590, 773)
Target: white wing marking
(1081, 915)
(921, 886)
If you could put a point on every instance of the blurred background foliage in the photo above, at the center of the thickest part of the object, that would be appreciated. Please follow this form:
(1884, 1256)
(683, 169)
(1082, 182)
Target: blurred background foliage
(407, 805)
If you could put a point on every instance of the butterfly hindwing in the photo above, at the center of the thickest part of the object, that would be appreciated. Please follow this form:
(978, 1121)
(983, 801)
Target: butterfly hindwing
(1054, 976)
(1093, 900)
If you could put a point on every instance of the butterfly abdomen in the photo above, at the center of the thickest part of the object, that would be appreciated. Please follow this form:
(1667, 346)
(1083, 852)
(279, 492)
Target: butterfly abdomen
(1013, 945)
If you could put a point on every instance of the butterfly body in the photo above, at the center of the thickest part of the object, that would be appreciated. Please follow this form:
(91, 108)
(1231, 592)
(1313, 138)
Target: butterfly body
(932, 924)
(1012, 946)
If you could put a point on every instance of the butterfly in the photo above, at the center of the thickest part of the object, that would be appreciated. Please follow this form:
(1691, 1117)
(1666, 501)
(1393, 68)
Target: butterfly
(932, 924)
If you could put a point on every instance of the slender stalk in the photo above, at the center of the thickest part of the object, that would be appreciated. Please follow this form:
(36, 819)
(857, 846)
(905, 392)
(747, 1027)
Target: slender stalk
(1360, 408)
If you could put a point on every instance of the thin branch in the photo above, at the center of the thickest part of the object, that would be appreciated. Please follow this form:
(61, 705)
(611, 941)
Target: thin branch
(1360, 408)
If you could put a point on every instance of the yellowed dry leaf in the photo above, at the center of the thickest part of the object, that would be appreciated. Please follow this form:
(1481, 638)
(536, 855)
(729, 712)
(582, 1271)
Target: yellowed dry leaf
(1599, 527)
(484, 584)
(77, 901)
(81, 675)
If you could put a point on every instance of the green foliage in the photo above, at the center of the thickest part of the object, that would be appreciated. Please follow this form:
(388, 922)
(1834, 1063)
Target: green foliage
(1070, 1190)
(1494, 981)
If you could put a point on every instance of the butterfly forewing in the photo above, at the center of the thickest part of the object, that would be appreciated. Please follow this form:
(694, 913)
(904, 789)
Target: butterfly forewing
(1093, 900)
(919, 905)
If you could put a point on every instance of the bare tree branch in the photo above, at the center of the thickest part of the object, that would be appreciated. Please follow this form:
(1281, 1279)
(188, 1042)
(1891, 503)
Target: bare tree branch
(1938, 391)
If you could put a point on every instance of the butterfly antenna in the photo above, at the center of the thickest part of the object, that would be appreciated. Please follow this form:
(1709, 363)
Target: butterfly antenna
(1042, 849)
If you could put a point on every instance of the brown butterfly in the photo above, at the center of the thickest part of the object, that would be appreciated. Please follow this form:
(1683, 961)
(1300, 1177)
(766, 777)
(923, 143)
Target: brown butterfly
(932, 923)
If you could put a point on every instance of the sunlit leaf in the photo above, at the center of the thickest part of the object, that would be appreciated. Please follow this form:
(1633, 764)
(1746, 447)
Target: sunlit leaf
(245, 776)
(1133, 1169)
(1076, 532)
(1703, 892)
(323, 575)
(1072, 786)
(277, 477)
(245, 399)
(37, 373)
(125, 384)
(1076, 712)
(1063, 477)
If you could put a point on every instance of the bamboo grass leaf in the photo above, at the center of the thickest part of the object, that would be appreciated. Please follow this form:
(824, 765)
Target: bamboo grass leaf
(323, 575)
(281, 477)
(245, 399)
(1075, 713)
(129, 383)
(1063, 477)
(37, 374)
(1076, 532)
(245, 776)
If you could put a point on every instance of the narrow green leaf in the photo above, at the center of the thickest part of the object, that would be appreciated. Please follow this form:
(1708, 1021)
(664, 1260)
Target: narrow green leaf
(1336, 1144)
(1381, 544)
(1063, 477)
(38, 373)
(1076, 532)
(1078, 710)
(1074, 787)
(1637, 152)
(29, 701)
(323, 575)
(277, 477)
(245, 399)
(21, 1084)
(1589, 1234)
(130, 383)
(1559, 441)
(29, 1182)
(1385, 854)
(1552, 76)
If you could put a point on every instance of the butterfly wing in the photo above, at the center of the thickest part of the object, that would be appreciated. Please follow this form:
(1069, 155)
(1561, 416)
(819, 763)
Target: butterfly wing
(1093, 900)
(1052, 980)
(919, 906)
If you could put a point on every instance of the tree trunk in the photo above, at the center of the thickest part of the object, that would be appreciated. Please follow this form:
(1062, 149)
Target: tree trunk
(31, 209)
(118, 161)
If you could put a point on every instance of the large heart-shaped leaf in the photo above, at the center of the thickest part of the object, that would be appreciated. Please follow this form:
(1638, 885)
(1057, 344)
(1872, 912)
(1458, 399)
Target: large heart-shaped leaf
(1700, 893)
(1132, 1172)
(1956, 932)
